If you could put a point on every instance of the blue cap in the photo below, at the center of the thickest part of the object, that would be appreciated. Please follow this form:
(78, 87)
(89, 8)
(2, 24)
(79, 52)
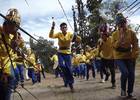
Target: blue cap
(120, 19)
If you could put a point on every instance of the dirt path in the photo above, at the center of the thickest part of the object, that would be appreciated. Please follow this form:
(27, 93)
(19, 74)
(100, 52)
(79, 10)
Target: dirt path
(52, 89)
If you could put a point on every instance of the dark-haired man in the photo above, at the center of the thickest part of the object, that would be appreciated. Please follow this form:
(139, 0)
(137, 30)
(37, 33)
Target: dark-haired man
(64, 52)
(125, 44)
(7, 32)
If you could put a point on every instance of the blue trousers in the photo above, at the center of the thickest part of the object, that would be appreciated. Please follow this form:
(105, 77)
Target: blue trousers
(65, 65)
(16, 73)
(108, 64)
(38, 76)
(83, 69)
(76, 70)
(98, 64)
(19, 73)
(127, 69)
(58, 72)
(31, 74)
(6, 87)
(90, 66)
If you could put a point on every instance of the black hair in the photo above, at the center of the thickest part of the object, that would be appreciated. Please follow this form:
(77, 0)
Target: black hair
(63, 24)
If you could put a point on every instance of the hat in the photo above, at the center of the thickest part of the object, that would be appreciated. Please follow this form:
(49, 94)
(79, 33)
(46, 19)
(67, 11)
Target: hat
(13, 15)
(120, 19)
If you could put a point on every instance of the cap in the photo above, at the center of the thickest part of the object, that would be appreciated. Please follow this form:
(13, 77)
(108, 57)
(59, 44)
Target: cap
(13, 15)
(120, 19)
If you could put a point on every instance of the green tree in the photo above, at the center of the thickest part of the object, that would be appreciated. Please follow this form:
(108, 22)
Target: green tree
(95, 19)
(111, 7)
(102, 12)
(43, 49)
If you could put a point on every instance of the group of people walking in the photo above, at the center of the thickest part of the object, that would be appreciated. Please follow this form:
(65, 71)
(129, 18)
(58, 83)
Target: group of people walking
(13, 62)
(118, 48)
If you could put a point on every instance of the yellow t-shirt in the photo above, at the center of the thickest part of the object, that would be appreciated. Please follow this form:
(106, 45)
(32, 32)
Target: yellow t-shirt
(4, 57)
(19, 59)
(106, 49)
(89, 56)
(130, 40)
(54, 58)
(82, 58)
(64, 41)
(75, 60)
(31, 60)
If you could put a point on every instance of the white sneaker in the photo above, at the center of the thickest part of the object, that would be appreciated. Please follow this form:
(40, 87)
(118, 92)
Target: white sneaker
(102, 81)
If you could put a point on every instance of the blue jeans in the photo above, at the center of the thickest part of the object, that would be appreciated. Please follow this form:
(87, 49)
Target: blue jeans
(21, 72)
(76, 70)
(127, 69)
(16, 72)
(58, 72)
(31, 74)
(38, 76)
(65, 65)
(98, 64)
(83, 69)
(6, 87)
(90, 66)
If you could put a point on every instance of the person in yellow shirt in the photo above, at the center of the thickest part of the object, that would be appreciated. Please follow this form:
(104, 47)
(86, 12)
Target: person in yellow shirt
(97, 60)
(90, 56)
(106, 52)
(64, 52)
(56, 68)
(18, 42)
(31, 63)
(7, 31)
(75, 65)
(38, 70)
(82, 65)
(26, 69)
(39, 61)
(126, 51)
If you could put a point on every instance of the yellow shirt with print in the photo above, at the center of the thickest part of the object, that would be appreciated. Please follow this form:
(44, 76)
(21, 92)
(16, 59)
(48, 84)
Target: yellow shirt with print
(75, 61)
(5, 63)
(96, 54)
(64, 41)
(106, 49)
(82, 58)
(19, 59)
(130, 40)
(89, 56)
(31, 60)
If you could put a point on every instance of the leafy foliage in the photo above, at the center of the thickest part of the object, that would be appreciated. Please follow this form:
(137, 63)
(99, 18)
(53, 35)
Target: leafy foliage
(101, 12)
(111, 8)
(43, 49)
(95, 19)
